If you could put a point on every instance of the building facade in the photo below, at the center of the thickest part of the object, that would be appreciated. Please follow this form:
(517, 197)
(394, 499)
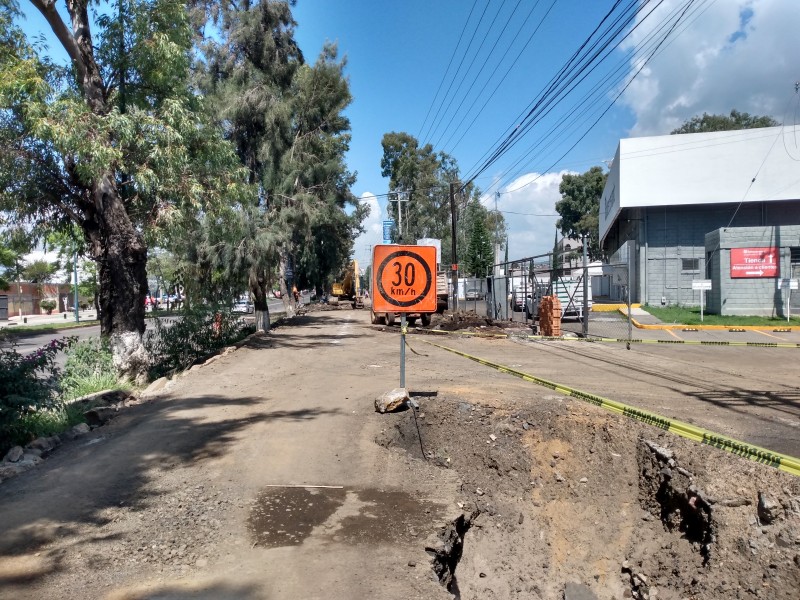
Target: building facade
(664, 195)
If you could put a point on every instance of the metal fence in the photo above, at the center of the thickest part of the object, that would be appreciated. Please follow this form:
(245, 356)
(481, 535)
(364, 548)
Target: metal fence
(594, 300)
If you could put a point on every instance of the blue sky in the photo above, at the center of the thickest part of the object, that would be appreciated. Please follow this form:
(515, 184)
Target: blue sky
(725, 54)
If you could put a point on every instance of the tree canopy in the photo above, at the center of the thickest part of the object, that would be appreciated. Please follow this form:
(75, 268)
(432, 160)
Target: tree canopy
(419, 182)
(116, 143)
(579, 207)
(736, 120)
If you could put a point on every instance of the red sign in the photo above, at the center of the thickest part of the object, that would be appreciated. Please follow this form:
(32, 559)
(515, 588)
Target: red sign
(404, 279)
(754, 262)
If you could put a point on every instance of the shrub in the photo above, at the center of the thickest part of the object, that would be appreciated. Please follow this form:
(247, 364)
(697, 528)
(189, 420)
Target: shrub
(89, 369)
(27, 385)
(47, 305)
(177, 343)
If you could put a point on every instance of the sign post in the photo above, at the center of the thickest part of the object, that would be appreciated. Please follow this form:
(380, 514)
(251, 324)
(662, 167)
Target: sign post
(388, 227)
(403, 281)
(702, 285)
(788, 284)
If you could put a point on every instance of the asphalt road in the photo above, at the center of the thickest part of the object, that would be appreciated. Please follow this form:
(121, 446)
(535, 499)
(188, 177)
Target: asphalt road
(29, 343)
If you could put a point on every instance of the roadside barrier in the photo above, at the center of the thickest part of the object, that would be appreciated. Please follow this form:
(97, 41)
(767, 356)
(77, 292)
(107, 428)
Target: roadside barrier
(691, 432)
(615, 340)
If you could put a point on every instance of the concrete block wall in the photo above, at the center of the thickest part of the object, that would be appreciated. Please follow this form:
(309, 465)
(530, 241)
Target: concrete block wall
(665, 235)
(751, 295)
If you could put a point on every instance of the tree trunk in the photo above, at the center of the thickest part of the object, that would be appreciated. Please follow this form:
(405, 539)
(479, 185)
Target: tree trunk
(117, 246)
(258, 289)
(121, 255)
(286, 290)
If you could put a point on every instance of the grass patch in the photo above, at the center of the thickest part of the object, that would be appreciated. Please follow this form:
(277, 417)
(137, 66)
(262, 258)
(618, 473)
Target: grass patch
(690, 315)
(89, 369)
(23, 330)
(49, 421)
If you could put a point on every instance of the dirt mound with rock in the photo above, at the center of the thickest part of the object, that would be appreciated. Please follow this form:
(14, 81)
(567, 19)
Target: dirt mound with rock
(563, 500)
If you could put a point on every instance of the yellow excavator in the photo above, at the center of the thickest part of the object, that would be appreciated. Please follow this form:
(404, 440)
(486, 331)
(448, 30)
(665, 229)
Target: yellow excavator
(349, 290)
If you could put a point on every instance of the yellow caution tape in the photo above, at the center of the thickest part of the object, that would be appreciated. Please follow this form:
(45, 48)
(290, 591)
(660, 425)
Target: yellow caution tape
(479, 334)
(761, 455)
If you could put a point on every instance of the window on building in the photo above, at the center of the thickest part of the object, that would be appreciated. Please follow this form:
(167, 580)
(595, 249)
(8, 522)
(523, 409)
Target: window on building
(690, 265)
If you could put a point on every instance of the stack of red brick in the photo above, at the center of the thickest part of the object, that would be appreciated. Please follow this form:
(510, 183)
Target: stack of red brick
(550, 316)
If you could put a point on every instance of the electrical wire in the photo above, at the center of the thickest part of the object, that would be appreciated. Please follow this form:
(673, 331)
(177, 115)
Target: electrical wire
(458, 70)
(447, 70)
(592, 98)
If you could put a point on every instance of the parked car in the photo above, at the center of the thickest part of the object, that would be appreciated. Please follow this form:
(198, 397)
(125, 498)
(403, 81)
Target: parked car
(474, 294)
(517, 302)
(243, 305)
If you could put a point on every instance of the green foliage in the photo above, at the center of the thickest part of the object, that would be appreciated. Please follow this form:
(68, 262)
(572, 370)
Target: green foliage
(690, 315)
(48, 421)
(89, 368)
(124, 123)
(286, 121)
(27, 385)
(48, 305)
(479, 256)
(177, 344)
(8, 260)
(579, 207)
(421, 179)
(736, 120)
(39, 271)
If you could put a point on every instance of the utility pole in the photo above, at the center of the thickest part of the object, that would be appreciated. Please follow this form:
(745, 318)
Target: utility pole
(75, 271)
(585, 309)
(454, 265)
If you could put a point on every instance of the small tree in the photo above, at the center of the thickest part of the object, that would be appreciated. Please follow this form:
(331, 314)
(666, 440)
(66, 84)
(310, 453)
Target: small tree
(579, 207)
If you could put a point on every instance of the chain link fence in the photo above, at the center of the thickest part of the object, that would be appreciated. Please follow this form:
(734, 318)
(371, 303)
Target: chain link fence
(594, 300)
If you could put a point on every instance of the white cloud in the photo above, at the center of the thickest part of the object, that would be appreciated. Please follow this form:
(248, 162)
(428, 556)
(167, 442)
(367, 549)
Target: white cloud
(528, 205)
(373, 226)
(738, 54)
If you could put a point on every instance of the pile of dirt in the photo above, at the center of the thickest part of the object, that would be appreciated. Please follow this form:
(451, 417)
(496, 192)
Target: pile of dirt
(557, 493)
(472, 322)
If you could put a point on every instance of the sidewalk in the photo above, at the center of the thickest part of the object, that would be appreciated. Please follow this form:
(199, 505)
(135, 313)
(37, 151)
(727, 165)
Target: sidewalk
(643, 317)
(31, 320)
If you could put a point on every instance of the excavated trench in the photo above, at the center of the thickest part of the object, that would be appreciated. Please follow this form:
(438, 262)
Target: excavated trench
(447, 549)
(558, 497)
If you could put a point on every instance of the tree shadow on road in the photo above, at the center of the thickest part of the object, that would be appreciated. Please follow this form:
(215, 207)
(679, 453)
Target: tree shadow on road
(115, 466)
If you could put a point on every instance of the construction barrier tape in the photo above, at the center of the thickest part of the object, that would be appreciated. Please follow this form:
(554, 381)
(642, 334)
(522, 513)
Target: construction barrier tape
(692, 432)
(615, 340)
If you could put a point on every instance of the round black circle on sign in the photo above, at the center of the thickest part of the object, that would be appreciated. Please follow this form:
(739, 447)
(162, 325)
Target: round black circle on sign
(420, 296)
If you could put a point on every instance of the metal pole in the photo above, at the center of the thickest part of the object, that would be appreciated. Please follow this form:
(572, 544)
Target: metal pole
(75, 272)
(19, 289)
(630, 325)
(454, 265)
(586, 289)
(702, 293)
(400, 219)
(402, 350)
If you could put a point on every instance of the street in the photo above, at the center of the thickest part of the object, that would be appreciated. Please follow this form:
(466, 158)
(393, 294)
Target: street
(268, 474)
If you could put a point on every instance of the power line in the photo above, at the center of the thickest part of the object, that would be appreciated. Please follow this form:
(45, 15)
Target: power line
(593, 95)
(472, 84)
(447, 70)
(644, 64)
(554, 88)
(458, 70)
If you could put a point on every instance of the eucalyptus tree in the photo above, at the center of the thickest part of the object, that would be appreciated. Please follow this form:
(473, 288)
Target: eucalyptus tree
(285, 120)
(251, 69)
(420, 179)
(115, 142)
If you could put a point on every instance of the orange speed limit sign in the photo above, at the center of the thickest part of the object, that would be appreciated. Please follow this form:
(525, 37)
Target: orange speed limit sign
(404, 279)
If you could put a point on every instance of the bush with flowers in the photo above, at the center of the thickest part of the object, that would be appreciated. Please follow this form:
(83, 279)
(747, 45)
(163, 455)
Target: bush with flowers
(28, 383)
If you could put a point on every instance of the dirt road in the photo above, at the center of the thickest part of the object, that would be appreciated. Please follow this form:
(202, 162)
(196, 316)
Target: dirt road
(267, 474)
